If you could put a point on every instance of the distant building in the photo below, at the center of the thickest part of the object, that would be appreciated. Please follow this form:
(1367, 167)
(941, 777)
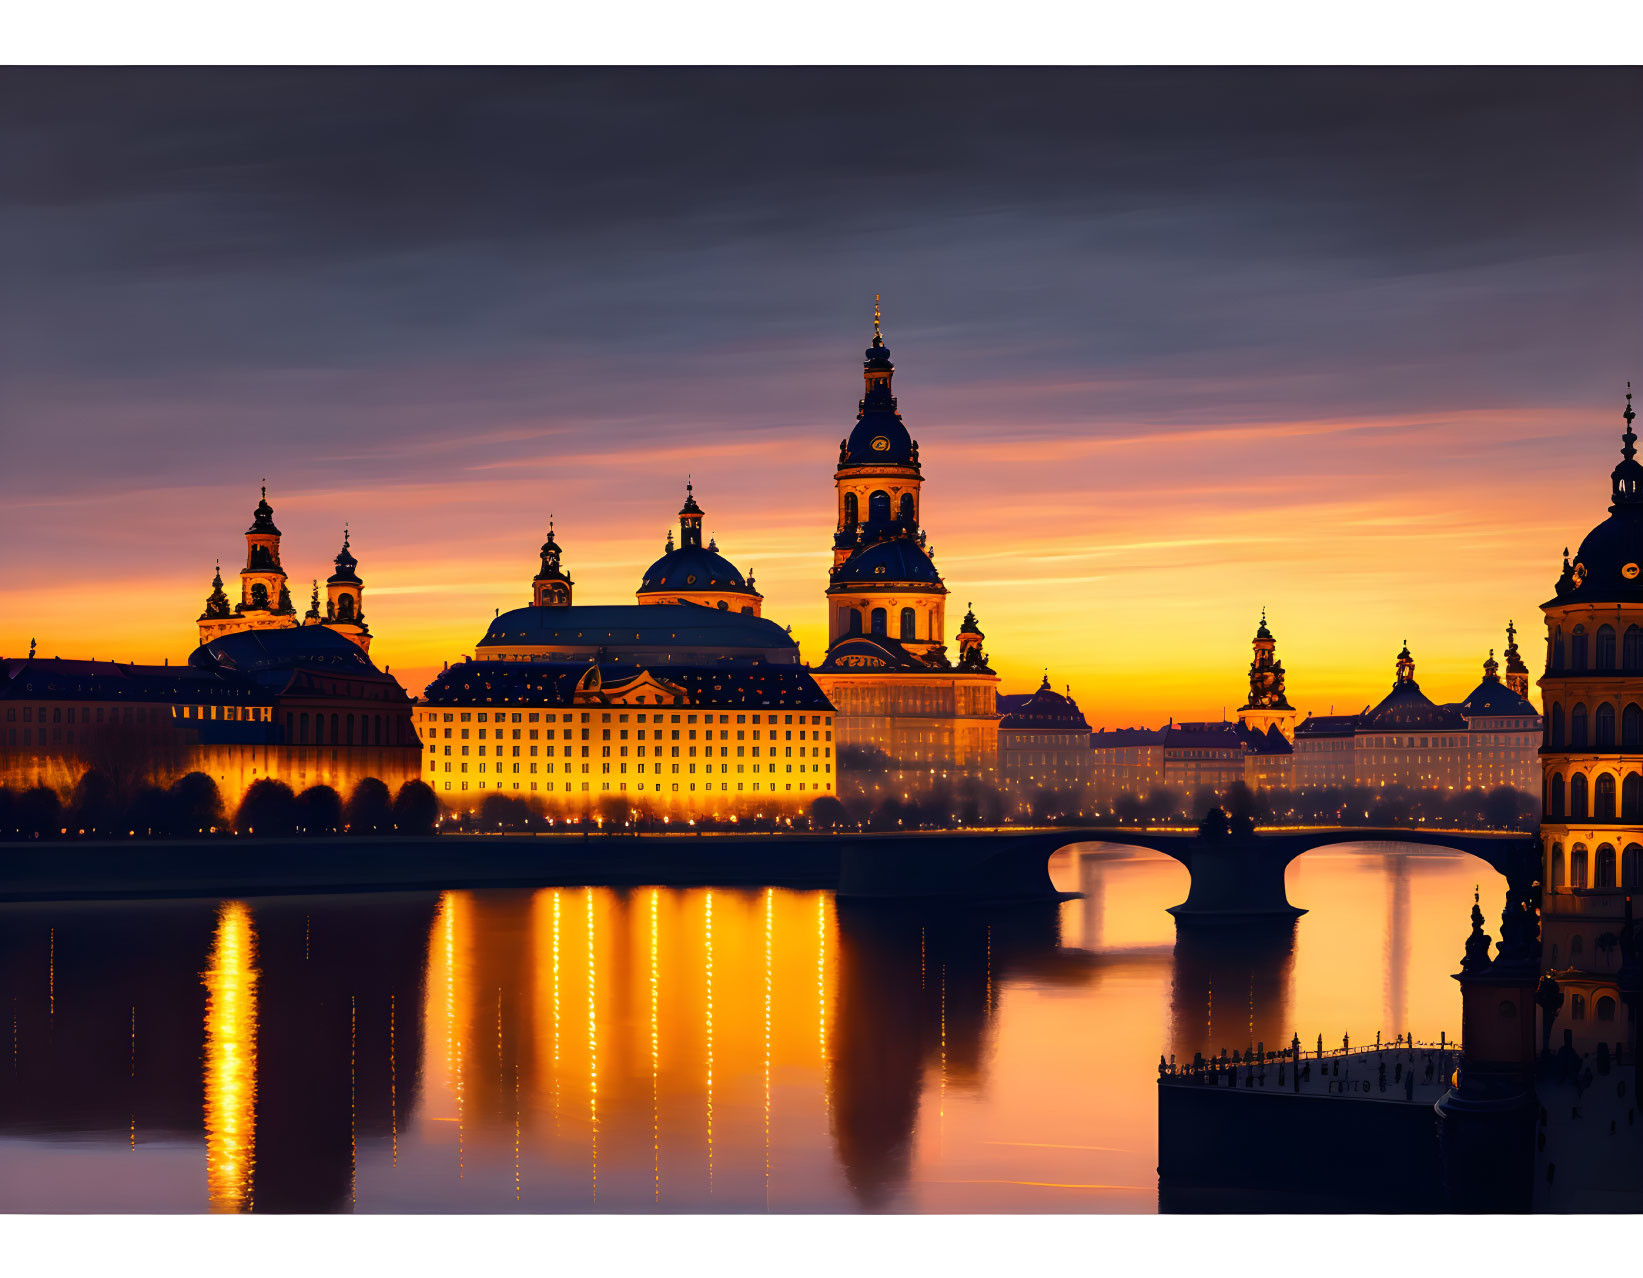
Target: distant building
(690, 704)
(1408, 741)
(265, 596)
(901, 700)
(300, 705)
(1043, 746)
(1592, 828)
(1125, 763)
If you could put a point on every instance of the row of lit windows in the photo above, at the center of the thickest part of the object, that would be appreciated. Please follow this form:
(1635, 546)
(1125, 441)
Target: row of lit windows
(533, 716)
(640, 767)
(621, 787)
(622, 734)
(815, 752)
(1604, 872)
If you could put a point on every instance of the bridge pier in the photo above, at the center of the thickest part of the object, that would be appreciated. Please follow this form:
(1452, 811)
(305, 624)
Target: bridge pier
(1233, 880)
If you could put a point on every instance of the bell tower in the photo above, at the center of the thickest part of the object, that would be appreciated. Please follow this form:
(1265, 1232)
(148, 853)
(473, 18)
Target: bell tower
(345, 598)
(551, 587)
(1267, 703)
(262, 580)
(1406, 667)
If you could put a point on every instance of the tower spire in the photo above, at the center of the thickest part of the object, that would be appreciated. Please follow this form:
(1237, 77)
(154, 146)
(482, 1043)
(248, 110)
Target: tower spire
(878, 335)
(1627, 477)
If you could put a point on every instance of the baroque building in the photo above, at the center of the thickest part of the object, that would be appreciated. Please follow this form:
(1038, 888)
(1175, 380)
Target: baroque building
(265, 595)
(902, 702)
(1267, 706)
(1592, 758)
(1044, 750)
(300, 705)
(685, 704)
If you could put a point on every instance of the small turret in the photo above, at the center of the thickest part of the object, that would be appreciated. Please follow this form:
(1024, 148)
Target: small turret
(1517, 673)
(552, 586)
(216, 603)
(312, 616)
(345, 597)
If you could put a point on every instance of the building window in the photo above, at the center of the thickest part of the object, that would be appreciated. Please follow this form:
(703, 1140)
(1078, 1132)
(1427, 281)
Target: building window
(1604, 1008)
(909, 624)
(1605, 726)
(1577, 797)
(1603, 800)
(1629, 867)
(880, 622)
(878, 507)
(1577, 728)
(1577, 879)
(1577, 649)
(1557, 865)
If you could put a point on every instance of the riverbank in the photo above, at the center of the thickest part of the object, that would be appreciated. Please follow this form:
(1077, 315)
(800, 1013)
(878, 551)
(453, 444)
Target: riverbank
(273, 867)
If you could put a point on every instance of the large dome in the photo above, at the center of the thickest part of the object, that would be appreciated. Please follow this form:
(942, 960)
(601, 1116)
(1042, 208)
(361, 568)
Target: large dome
(1608, 568)
(694, 569)
(1494, 697)
(888, 563)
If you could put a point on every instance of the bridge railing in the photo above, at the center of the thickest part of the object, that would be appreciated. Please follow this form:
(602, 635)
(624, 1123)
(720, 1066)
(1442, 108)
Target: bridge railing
(1257, 1056)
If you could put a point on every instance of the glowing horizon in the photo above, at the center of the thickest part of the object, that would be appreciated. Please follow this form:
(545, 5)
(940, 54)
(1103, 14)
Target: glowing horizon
(1286, 353)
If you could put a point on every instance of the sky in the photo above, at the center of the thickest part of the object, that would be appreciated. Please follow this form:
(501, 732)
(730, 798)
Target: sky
(1350, 344)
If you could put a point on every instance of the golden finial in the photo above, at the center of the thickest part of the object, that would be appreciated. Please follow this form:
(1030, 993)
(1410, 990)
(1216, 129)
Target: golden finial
(876, 316)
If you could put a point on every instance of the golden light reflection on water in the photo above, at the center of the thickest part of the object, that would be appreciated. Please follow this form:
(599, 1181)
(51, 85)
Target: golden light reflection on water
(820, 1055)
(231, 1061)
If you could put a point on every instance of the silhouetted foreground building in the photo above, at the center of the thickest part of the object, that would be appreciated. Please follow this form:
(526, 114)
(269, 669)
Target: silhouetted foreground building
(304, 705)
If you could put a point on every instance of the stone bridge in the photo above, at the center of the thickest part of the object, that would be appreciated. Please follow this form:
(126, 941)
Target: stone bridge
(1233, 878)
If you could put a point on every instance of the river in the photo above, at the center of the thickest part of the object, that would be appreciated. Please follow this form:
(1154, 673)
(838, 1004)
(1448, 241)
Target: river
(674, 1050)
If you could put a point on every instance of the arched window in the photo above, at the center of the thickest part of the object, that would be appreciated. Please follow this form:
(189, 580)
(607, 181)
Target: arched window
(906, 512)
(1603, 799)
(1555, 737)
(1577, 1003)
(1605, 727)
(1557, 865)
(1605, 648)
(1577, 728)
(1604, 1008)
(1554, 795)
(1631, 648)
(878, 508)
(1577, 796)
(880, 621)
(909, 624)
(1604, 878)
(851, 507)
(345, 608)
(1631, 726)
(1628, 866)
(1631, 797)
(1577, 879)
(259, 595)
(1557, 650)
(852, 623)
(1577, 649)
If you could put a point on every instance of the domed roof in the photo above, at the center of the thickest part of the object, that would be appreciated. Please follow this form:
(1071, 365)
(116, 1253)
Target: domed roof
(1406, 706)
(1608, 568)
(1047, 711)
(283, 648)
(1494, 697)
(695, 568)
(879, 439)
(895, 562)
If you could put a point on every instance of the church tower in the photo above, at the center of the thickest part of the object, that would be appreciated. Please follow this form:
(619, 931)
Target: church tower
(265, 601)
(883, 582)
(1267, 705)
(345, 598)
(551, 587)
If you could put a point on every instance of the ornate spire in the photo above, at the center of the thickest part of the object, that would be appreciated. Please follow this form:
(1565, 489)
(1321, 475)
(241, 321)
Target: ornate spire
(690, 518)
(1406, 666)
(216, 603)
(346, 564)
(552, 586)
(1517, 674)
(1627, 478)
(313, 603)
(262, 518)
(878, 336)
(1491, 668)
(1261, 631)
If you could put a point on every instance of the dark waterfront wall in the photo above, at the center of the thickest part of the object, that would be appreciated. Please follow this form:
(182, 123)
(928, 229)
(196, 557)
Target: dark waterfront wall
(1227, 1149)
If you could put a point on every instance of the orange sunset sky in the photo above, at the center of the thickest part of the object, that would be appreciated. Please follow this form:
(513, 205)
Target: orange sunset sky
(1174, 344)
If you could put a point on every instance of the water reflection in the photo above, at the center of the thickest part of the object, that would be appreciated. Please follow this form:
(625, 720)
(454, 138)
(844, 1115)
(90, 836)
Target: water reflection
(231, 1061)
(574, 1049)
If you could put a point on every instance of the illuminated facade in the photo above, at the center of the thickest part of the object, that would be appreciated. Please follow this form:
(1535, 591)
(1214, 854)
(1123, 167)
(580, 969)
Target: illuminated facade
(1592, 759)
(682, 707)
(1483, 742)
(303, 706)
(265, 595)
(902, 702)
(1044, 747)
